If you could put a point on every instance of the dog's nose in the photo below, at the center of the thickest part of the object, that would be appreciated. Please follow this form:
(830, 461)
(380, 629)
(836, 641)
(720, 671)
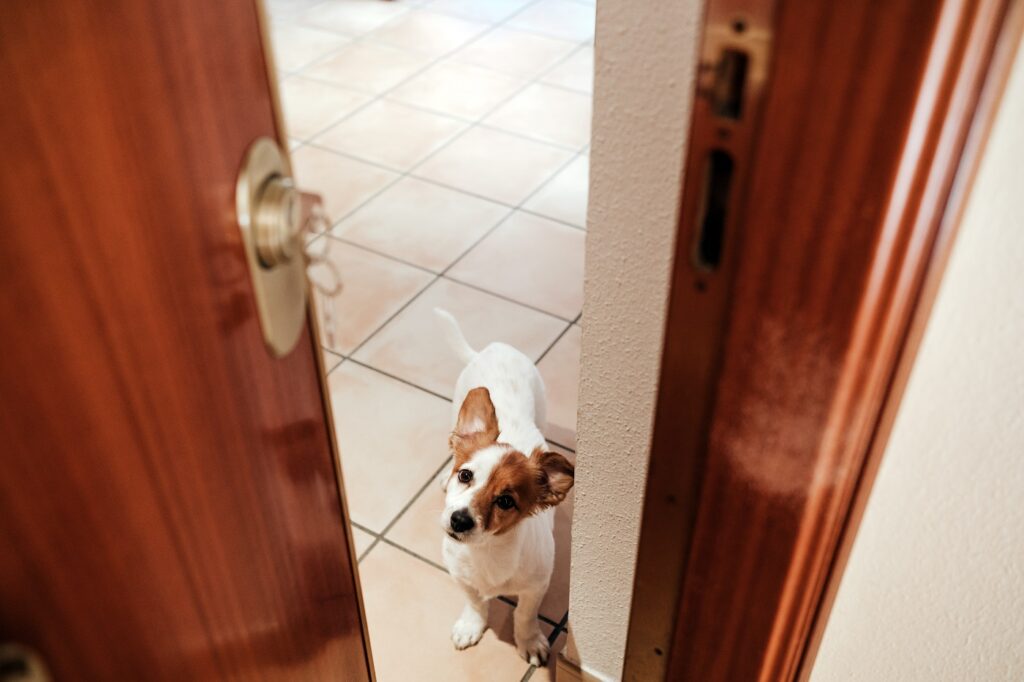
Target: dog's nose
(461, 521)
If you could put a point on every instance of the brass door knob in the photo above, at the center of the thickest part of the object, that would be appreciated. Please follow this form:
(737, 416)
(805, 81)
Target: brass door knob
(278, 219)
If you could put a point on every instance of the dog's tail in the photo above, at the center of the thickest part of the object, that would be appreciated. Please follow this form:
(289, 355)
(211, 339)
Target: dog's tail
(454, 336)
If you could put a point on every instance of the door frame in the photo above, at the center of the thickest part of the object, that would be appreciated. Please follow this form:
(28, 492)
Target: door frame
(682, 599)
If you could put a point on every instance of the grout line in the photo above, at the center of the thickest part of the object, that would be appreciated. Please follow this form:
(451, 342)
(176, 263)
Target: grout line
(557, 339)
(564, 447)
(415, 497)
(376, 252)
(429, 285)
(396, 378)
(506, 298)
(515, 93)
(376, 540)
(449, 142)
(379, 537)
(563, 625)
(518, 207)
(299, 21)
(365, 529)
(408, 173)
(531, 138)
(394, 315)
(368, 37)
(566, 223)
(440, 275)
(426, 390)
(433, 564)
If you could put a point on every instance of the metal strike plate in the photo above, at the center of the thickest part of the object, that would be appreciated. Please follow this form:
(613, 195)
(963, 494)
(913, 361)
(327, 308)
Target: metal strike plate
(271, 217)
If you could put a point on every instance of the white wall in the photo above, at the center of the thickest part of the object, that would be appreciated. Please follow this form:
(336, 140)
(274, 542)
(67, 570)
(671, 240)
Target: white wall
(645, 64)
(934, 589)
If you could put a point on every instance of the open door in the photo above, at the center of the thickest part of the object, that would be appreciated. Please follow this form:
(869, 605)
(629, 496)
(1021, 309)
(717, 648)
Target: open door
(170, 507)
(832, 145)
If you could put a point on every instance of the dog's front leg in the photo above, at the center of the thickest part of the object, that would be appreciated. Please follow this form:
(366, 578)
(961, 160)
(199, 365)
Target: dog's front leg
(530, 641)
(470, 626)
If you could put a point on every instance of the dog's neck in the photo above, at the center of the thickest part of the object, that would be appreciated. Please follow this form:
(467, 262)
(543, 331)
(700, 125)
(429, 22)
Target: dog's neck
(497, 559)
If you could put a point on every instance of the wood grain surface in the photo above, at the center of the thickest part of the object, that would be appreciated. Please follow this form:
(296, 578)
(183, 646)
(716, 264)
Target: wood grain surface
(779, 373)
(169, 507)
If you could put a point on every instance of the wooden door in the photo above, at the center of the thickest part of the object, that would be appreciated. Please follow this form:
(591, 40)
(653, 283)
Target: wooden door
(170, 506)
(785, 355)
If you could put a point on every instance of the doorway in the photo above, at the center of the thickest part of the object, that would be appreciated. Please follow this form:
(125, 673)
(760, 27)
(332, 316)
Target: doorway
(449, 140)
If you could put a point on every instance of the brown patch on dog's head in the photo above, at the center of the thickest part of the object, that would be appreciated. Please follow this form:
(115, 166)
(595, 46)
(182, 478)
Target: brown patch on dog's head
(519, 487)
(476, 428)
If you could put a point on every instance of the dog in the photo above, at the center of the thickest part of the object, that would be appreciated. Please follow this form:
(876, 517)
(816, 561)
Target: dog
(501, 491)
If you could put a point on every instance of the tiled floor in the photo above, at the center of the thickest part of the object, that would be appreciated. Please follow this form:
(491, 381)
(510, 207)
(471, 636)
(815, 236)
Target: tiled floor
(449, 139)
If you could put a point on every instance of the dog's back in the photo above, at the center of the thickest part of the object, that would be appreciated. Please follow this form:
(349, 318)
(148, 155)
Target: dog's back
(515, 385)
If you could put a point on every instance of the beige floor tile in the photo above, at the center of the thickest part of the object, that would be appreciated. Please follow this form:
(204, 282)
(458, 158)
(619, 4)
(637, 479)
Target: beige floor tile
(288, 10)
(515, 52)
(565, 196)
(428, 33)
(561, 371)
(410, 608)
(458, 89)
(296, 46)
(565, 19)
(391, 134)
(331, 360)
(543, 264)
(494, 165)
(362, 540)
(419, 531)
(546, 113)
(354, 17)
(373, 289)
(311, 106)
(421, 223)
(368, 67)
(392, 438)
(478, 10)
(342, 182)
(576, 72)
(412, 346)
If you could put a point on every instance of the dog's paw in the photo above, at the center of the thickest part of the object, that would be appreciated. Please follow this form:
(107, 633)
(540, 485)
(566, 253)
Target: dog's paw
(466, 633)
(534, 648)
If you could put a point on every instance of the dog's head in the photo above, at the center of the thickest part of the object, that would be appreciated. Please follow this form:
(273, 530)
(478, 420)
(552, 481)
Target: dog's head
(492, 486)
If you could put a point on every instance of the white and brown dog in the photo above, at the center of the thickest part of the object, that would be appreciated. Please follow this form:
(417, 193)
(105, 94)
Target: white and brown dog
(501, 490)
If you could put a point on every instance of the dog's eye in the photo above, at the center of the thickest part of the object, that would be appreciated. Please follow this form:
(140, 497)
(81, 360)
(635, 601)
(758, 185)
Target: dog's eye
(465, 475)
(504, 502)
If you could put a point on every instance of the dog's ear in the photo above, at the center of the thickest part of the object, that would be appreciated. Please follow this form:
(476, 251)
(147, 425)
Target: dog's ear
(477, 426)
(555, 476)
